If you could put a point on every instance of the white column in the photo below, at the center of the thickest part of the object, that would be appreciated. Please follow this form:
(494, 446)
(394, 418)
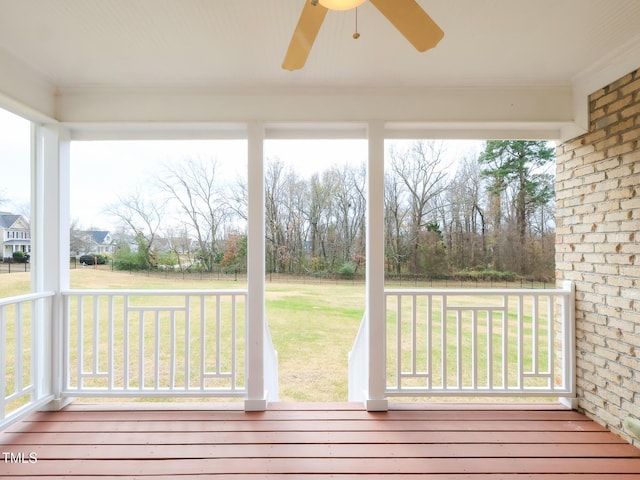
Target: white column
(376, 399)
(50, 244)
(256, 395)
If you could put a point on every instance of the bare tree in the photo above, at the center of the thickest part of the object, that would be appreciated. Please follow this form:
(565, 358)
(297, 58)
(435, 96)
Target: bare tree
(143, 217)
(238, 198)
(195, 187)
(465, 226)
(320, 197)
(274, 199)
(395, 215)
(78, 239)
(351, 209)
(421, 171)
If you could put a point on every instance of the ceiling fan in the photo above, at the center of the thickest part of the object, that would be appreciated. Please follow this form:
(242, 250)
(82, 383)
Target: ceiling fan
(406, 15)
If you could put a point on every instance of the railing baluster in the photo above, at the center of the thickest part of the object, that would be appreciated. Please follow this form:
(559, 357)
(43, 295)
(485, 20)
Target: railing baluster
(458, 349)
(520, 342)
(505, 350)
(474, 350)
(430, 342)
(443, 321)
(414, 334)
(233, 341)
(218, 333)
(490, 359)
(141, 350)
(127, 341)
(80, 345)
(36, 317)
(203, 349)
(19, 348)
(535, 333)
(96, 333)
(172, 352)
(399, 342)
(110, 346)
(3, 360)
(551, 367)
(187, 345)
(157, 350)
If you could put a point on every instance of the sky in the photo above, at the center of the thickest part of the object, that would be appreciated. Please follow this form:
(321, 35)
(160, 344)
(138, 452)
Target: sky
(15, 163)
(101, 171)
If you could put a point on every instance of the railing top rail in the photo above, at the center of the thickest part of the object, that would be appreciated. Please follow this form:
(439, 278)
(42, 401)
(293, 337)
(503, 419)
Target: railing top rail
(25, 298)
(477, 291)
(141, 292)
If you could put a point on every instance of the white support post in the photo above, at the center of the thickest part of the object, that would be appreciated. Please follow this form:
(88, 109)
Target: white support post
(569, 346)
(256, 395)
(375, 398)
(50, 251)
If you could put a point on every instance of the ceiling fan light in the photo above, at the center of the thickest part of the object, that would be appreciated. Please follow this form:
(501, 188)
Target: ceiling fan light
(341, 4)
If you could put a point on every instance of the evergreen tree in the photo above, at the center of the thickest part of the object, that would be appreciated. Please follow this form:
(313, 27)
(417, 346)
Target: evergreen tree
(517, 175)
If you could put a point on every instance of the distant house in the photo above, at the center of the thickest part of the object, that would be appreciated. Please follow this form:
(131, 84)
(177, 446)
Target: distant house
(15, 235)
(93, 241)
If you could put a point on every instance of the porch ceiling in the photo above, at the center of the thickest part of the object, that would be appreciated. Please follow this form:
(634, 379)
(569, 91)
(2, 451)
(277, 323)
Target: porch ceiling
(62, 47)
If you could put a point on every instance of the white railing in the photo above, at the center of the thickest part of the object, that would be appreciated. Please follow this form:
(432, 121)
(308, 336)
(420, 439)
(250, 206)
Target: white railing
(144, 343)
(25, 330)
(480, 343)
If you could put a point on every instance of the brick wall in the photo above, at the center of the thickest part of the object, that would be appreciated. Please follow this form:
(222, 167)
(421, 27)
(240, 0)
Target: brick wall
(598, 247)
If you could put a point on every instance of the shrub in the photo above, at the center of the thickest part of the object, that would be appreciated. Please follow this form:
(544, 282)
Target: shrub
(20, 257)
(125, 259)
(167, 259)
(347, 270)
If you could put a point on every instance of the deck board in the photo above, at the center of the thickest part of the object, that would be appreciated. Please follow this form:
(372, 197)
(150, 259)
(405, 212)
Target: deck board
(316, 441)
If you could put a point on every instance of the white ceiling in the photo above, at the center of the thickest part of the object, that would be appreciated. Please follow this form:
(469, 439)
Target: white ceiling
(237, 44)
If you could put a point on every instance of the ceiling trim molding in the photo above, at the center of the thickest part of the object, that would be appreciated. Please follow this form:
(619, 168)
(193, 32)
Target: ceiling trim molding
(156, 131)
(478, 130)
(315, 130)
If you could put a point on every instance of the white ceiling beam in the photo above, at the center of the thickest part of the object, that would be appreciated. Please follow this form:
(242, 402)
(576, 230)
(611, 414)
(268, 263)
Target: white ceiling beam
(518, 104)
(536, 112)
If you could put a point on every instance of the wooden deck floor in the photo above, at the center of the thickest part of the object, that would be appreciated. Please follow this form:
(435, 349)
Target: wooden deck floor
(315, 441)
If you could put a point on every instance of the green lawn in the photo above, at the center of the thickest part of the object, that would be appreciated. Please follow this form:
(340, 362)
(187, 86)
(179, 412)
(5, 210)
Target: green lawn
(313, 329)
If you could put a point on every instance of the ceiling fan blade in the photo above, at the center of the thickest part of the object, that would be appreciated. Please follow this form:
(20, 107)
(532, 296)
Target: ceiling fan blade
(412, 21)
(304, 35)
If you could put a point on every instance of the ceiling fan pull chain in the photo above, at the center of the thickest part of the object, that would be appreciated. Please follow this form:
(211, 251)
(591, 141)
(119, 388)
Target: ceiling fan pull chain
(356, 35)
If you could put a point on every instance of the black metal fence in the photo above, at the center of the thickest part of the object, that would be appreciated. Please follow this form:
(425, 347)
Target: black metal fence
(391, 281)
(13, 267)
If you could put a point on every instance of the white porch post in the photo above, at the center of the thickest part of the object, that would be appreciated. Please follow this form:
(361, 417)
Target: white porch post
(256, 395)
(50, 244)
(376, 399)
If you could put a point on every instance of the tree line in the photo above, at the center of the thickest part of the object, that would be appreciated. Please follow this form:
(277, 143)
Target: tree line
(443, 216)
